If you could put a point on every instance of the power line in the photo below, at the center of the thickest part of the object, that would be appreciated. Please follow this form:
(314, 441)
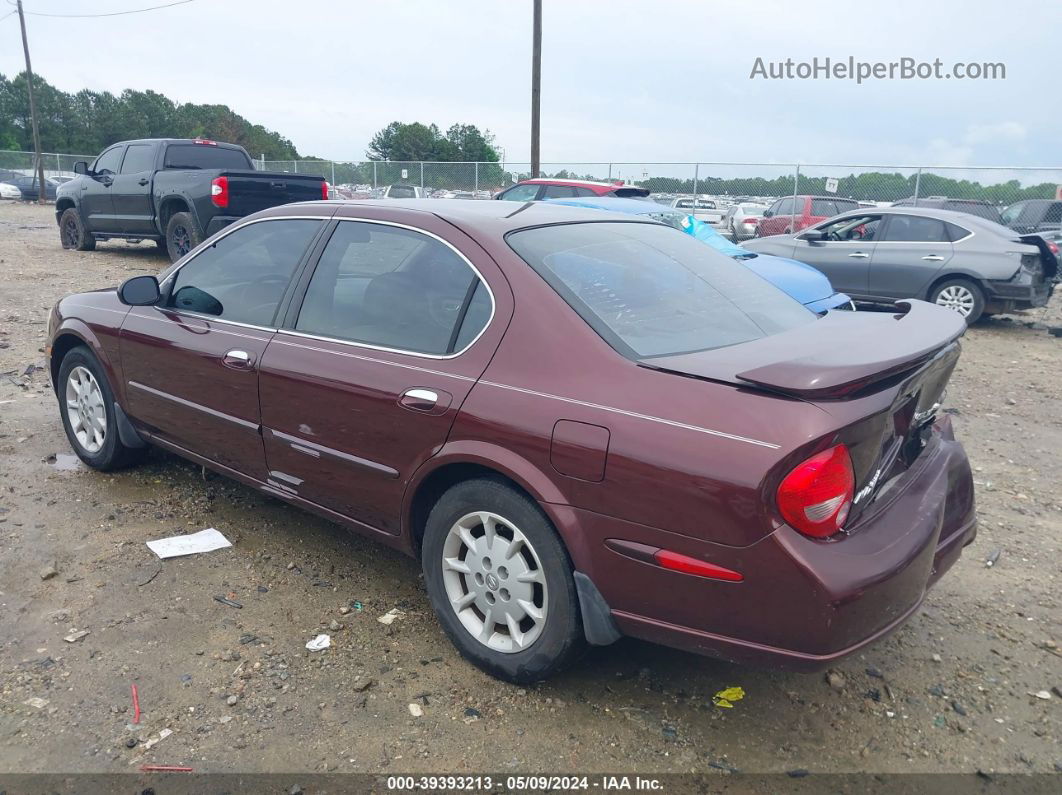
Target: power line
(111, 13)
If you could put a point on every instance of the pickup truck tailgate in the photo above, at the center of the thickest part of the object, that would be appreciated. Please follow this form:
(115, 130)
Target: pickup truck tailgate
(251, 191)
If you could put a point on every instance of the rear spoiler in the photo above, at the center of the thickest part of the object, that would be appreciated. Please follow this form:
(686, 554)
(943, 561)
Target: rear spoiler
(865, 357)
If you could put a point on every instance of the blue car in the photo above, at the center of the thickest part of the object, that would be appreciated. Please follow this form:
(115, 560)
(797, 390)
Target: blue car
(807, 285)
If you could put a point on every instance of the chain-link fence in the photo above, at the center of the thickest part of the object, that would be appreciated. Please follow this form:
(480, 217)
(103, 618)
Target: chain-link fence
(716, 186)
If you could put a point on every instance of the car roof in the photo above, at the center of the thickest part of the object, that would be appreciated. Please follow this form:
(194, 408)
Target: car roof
(559, 181)
(617, 204)
(200, 141)
(493, 217)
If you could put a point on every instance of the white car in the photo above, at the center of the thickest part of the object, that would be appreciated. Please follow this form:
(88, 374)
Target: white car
(9, 191)
(741, 219)
(702, 209)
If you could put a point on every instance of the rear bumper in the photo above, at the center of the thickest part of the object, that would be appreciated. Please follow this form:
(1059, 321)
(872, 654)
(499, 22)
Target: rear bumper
(1019, 293)
(803, 603)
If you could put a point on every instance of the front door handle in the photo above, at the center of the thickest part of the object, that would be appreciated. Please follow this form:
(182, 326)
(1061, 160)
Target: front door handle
(933, 258)
(143, 181)
(858, 255)
(238, 360)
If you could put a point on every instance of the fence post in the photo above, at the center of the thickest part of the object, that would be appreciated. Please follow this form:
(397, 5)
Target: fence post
(610, 172)
(333, 173)
(918, 186)
(295, 163)
(422, 175)
(58, 164)
(696, 179)
(374, 174)
(477, 176)
(796, 186)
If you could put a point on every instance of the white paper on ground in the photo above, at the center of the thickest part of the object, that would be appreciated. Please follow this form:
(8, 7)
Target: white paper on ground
(204, 541)
(320, 643)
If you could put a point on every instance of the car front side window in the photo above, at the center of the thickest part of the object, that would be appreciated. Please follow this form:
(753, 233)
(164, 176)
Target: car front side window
(394, 288)
(243, 276)
(108, 162)
(852, 228)
(520, 193)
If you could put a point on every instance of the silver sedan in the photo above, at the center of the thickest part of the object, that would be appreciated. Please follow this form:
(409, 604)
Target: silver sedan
(966, 263)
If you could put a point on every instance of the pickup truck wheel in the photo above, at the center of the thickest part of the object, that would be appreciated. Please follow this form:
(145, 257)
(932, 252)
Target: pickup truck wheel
(962, 296)
(72, 232)
(182, 235)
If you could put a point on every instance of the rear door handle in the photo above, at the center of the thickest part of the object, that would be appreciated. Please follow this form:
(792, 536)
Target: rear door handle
(933, 258)
(858, 255)
(238, 360)
(419, 399)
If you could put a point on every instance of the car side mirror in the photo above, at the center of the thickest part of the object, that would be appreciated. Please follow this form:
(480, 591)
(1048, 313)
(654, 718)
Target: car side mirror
(767, 213)
(813, 235)
(140, 291)
(81, 167)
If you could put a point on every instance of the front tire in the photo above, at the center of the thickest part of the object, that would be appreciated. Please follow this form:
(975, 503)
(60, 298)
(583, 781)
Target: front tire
(500, 582)
(86, 405)
(182, 235)
(72, 232)
(962, 296)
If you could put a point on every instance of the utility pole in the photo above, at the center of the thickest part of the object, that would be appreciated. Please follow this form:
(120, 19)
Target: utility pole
(41, 197)
(536, 85)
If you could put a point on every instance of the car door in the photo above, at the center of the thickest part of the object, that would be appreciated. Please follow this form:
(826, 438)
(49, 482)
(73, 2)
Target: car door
(96, 203)
(190, 364)
(362, 384)
(776, 218)
(911, 251)
(844, 253)
(131, 190)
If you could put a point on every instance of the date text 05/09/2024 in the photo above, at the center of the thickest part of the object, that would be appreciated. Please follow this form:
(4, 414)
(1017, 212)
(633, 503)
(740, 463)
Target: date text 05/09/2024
(532, 783)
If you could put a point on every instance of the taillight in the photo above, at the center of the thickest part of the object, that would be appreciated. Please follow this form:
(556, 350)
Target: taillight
(752, 220)
(816, 496)
(219, 191)
(324, 190)
(1052, 247)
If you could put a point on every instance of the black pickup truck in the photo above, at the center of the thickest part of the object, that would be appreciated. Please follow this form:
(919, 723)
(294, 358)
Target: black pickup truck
(173, 191)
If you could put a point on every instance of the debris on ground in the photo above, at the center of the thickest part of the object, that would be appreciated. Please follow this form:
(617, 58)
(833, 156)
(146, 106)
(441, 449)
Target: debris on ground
(177, 546)
(416, 710)
(390, 616)
(156, 740)
(36, 701)
(230, 602)
(320, 643)
(165, 769)
(726, 698)
(993, 557)
(49, 571)
(136, 704)
(76, 635)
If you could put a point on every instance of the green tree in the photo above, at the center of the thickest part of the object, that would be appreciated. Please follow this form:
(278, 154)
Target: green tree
(415, 141)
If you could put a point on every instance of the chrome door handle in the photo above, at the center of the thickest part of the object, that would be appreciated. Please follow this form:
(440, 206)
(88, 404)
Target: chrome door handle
(419, 399)
(238, 360)
(933, 258)
(858, 255)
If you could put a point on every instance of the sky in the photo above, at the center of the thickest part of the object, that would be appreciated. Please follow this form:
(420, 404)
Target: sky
(646, 81)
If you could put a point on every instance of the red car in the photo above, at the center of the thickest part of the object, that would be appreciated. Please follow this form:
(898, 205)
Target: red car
(795, 213)
(549, 188)
(585, 424)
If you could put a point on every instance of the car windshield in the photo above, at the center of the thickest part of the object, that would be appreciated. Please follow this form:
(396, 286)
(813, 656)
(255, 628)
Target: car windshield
(650, 292)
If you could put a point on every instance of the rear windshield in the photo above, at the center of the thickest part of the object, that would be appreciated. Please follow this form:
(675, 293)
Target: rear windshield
(402, 192)
(650, 290)
(205, 156)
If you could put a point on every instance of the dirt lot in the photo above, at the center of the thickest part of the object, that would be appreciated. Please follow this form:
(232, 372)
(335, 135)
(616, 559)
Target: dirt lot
(973, 681)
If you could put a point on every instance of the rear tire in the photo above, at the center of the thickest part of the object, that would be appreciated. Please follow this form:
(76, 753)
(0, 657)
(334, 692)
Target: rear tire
(182, 235)
(86, 405)
(72, 232)
(504, 595)
(962, 296)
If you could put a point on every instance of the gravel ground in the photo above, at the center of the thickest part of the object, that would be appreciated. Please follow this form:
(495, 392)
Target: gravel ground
(972, 682)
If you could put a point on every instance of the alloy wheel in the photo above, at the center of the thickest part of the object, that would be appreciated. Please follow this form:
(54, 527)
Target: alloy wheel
(957, 298)
(182, 240)
(86, 410)
(494, 582)
(69, 232)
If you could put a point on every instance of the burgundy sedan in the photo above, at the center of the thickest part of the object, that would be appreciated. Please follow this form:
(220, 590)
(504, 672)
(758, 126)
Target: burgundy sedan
(586, 425)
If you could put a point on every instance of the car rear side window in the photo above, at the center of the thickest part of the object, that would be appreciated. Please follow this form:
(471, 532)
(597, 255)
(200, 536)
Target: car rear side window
(831, 207)
(649, 290)
(205, 156)
(915, 229)
(138, 157)
(394, 288)
(559, 192)
(242, 277)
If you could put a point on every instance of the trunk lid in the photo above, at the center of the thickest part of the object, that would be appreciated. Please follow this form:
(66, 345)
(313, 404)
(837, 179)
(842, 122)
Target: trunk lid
(881, 378)
(251, 191)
